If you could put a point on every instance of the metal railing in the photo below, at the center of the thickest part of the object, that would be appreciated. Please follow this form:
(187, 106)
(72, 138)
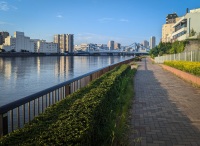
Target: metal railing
(184, 56)
(14, 115)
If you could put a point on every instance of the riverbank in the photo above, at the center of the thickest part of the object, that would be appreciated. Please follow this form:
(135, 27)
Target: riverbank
(27, 54)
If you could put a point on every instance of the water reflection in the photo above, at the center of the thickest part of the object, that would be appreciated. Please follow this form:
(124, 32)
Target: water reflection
(22, 76)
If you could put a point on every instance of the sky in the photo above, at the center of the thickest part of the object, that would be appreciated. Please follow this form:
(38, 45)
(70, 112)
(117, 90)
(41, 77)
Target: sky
(91, 21)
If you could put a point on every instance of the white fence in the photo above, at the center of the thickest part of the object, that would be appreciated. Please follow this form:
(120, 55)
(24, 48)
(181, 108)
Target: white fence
(184, 56)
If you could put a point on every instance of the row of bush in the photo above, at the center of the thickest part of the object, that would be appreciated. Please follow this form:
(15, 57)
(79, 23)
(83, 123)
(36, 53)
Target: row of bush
(190, 67)
(90, 116)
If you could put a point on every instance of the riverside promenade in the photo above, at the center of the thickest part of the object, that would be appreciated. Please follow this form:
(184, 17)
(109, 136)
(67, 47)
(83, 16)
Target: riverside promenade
(166, 109)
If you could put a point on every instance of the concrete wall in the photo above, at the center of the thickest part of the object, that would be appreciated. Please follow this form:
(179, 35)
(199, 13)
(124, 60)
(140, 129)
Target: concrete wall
(193, 45)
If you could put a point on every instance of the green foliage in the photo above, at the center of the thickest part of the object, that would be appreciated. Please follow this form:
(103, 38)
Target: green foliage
(168, 48)
(190, 67)
(90, 116)
(162, 48)
(192, 32)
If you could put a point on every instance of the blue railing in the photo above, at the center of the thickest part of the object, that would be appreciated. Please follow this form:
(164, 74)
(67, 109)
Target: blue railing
(14, 115)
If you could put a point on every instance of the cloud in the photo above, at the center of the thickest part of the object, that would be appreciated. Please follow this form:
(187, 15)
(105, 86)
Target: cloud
(59, 16)
(124, 20)
(4, 6)
(105, 20)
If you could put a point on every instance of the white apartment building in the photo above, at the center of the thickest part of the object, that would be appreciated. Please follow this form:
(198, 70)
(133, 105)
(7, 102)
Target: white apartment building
(46, 47)
(184, 27)
(18, 43)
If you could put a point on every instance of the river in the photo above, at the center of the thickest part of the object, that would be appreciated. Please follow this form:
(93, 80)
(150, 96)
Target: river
(23, 76)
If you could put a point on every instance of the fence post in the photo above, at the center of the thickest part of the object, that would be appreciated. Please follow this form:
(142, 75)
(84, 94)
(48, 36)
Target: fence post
(191, 56)
(185, 57)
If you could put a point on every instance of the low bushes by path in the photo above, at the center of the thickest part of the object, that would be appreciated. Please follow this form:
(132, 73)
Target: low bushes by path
(190, 67)
(94, 115)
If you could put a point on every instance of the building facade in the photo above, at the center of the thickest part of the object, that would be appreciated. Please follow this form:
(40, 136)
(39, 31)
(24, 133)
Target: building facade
(145, 43)
(46, 47)
(171, 18)
(167, 28)
(188, 26)
(18, 43)
(117, 46)
(111, 45)
(65, 42)
(152, 42)
(3, 35)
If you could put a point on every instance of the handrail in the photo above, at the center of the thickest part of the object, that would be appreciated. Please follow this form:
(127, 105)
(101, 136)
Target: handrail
(26, 99)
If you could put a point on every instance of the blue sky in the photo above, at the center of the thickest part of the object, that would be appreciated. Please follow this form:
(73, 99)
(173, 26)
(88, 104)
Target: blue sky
(91, 21)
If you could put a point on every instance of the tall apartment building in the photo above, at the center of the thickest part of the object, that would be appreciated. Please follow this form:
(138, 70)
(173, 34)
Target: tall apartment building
(145, 43)
(117, 46)
(111, 45)
(171, 18)
(65, 42)
(152, 42)
(3, 35)
(187, 26)
(167, 28)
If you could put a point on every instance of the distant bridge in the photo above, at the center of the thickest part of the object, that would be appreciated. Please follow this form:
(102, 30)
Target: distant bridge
(133, 49)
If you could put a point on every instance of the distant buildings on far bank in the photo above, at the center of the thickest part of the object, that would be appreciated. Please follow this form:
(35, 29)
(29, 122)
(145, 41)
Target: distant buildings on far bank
(152, 42)
(3, 35)
(65, 42)
(21, 43)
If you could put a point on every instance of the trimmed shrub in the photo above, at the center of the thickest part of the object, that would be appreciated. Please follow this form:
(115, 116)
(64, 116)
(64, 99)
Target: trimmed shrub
(86, 117)
(190, 67)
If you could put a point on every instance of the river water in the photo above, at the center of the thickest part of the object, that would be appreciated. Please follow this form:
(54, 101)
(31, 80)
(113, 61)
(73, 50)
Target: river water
(23, 76)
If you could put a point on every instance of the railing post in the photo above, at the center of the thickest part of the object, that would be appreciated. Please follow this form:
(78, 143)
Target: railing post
(1, 125)
(67, 90)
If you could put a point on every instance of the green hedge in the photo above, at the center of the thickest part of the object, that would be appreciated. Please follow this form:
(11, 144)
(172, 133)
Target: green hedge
(187, 66)
(86, 117)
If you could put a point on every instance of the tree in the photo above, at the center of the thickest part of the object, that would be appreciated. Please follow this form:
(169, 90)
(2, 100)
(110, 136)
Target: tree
(192, 32)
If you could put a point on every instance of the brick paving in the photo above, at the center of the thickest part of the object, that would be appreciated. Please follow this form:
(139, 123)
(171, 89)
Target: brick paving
(166, 109)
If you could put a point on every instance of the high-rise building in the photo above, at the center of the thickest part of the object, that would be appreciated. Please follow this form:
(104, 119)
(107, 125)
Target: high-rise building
(117, 46)
(171, 18)
(167, 28)
(152, 42)
(145, 43)
(111, 45)
(65, 42)
(3, 35)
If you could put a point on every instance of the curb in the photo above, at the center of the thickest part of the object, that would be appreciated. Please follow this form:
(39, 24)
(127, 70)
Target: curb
(186, 76)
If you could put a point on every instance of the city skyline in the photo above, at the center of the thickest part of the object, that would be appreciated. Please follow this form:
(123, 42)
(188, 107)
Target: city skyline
(91, 21)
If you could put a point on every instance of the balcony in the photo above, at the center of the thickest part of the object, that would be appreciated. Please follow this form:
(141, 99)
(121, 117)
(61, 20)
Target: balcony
(183, 29)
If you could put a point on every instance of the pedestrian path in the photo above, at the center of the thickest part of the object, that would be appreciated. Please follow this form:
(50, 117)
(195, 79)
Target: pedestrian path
(166, 109)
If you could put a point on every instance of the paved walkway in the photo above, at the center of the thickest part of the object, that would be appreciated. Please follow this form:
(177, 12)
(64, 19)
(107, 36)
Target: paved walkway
(166, 109)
